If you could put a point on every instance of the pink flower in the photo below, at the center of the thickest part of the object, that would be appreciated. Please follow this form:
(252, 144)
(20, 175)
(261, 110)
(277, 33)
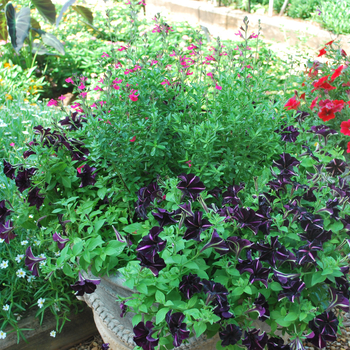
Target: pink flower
(133, 139)
(132, 95)
(97, 88)
(116, 87)
(101, 81)
(218, 87)
(81, 86)
(249, 66)
(127, 84)
(165, 82)
(168, 66)
(153, 62)
(118, 65)
(12, 144)
(173, 54)
(240, 34)
(102, 103)
(189, 73)
(62, 97)
(69, 80)
(83, 94)
(137, 67)
(75, 105)
(117, 81)
(191, 47)
(122, 48)
(189, 163)
(93, 105)
(52, 102)
(210, 74)
(253, 36)
(105, 55)
(79, 169)
(128, 71)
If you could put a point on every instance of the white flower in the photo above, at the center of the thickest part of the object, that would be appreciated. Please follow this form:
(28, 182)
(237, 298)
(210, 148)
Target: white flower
(30, 216)
(57, 253)
(42, 256)
(25, 242)
(42, 263)
(6, 307)
(1, 240)
(36, 242)
(56, 307)
(20, 273)
(53, 334)
(19, 257)
(30, 278)
(4, 264)
(2, 335)
(41, 302)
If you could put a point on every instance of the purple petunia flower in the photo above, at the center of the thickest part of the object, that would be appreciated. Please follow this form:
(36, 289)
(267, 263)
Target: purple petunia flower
(6, 231)
(254, 341)
(300, 116)
(275, 343)
(34, 198)
(4, 212)
(155, 266)
(246, 217)
(230, 196)
(9, 170)
(143, 336)
(105, 346)
(336, 167)
(123, 309)
(190, 185)
(288, 133)
(291, 289)
(23, 179)
(87, 176)
(146, 196)
(237, 244)
(195, 226)
(215, 192)
(324, 328)
(164, 217)
(308, 252)
(190, 285)
(230, 335)
(61, 242)
(32, 262)
(177, 327)
(338, 300)
(74, 121)
(151, 244)
(322, 131)
(332, 208)
(84, 285)
(256, 270)
(217, 243)
(262, 307)
(285, 164)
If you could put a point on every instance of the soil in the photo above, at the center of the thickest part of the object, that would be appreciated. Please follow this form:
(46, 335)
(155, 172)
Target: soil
(92, 343)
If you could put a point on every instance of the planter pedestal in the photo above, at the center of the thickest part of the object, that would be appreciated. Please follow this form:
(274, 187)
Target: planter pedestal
(117, 331)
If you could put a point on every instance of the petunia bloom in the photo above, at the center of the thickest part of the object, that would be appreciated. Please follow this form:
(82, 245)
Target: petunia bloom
(230, 335)
(32, 262)
(254, 341)
(34, 198)
(329, 108)
(190, 185)
(84, 285)
(218, 243)
(345, 127)
(292, 103)
(313, 103)
(336, 167)
(155, 266)
(143, 336)
(52, 102)
(256, 270)
(9, 170)
(151, 244)
(337, 72)
(195, 226)
(87, 176)
(61, 242)
(23, 179)
(177, 327)
(189, 285)
(288, 133)
(4, 212)
(6, 231)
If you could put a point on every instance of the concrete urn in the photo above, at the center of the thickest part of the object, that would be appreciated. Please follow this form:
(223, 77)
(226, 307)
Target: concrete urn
(117, 331)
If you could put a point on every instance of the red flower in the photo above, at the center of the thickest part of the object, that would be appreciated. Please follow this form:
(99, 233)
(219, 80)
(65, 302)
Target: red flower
(302, 96)
(329, 108)
(132, 95)
(133, 139)
(348, 150)
(330, 43)
(343, 53)
(322, 52)
(292, 103)
(345, 127)
(322, 84)
(337, 72)
(313, 103)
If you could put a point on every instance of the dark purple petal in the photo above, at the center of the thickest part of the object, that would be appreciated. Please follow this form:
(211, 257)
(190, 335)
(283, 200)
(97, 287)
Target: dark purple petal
(164, 217)
(195, 226)
(237, 244)
(190, 285)
(336, 167)
(155, 266)
(254, 341)
(6, 231)
(84, 285)
(32, 262)
(230, 335)
(177, 327)
(23, 179)
(217, 243)
(34, 198)
(87, 176)
(9, 170)
(4, 212)
(61, 242)
(151, 244)
(190, 185)
(143, 336)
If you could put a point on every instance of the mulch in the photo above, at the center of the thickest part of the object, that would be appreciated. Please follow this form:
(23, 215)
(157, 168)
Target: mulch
(92, 343)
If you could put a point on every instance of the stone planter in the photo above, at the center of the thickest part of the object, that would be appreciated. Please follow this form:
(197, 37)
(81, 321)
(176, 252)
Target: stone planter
(117, 331)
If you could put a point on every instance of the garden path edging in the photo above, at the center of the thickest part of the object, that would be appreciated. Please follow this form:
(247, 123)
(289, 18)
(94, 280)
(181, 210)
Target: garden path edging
(229, 19)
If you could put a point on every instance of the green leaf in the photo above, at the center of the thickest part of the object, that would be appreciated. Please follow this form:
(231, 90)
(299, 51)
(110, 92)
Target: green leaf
(94, 242)
(114, 248)
(18, 25)
(84, 12)
(102, 192)
(292, 316)
(160, 297)
(3, 27)
(199, 328)
(98, 225)
(47, 9)
(66, 182)
(142, 288)
(77, 248)
(160, 316)
(192, 265)
(136, 320)
(63, 10)
(317, 278)
(133, 227)
(51, 40)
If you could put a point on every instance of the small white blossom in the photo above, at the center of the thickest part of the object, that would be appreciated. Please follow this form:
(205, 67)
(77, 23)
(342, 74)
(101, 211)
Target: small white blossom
(20, 273)
(2, 240)
(19, 257)
(42, 256)
(41, 302)
(36, 242)
(43, 228)
(42, 263)
(56, 307)
(2, 335)
(6, 307)
(30, 278)
(53, 334)
(30, 216)
(57, 253)
(25, 242)
(4, 264)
